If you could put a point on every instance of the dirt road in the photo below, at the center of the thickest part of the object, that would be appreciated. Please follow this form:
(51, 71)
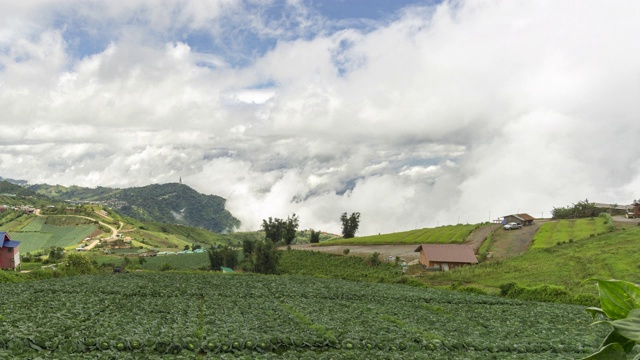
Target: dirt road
(480, 235)
(509, 243)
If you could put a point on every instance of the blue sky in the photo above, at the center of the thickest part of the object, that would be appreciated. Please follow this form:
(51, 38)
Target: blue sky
(414, 113)
(238, 44)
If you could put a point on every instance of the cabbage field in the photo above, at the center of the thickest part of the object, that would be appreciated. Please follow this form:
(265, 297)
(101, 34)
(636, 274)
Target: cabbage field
(212, 316)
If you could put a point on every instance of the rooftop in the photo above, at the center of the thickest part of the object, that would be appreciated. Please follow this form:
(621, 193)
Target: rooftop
(458, 253)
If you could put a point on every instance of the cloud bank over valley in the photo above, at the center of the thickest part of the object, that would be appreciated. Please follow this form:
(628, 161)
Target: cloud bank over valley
(426, 114)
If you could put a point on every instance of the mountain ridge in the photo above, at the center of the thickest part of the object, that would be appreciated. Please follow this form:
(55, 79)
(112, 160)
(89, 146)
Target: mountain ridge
(171, 203)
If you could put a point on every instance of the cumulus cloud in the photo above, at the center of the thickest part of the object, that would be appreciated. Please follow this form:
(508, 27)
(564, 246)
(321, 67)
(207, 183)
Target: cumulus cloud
(457, 112)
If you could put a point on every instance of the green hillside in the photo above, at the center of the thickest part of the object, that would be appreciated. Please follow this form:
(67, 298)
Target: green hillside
(439, 235)
(164, 203)
(609, 256)
(552, 233)
(16, 195)
(192, 316)
(77, 193)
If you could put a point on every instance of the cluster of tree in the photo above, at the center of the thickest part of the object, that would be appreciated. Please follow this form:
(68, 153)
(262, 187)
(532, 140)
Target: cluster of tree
(257, 256)
(224, 256)
(278, 230)
(581, 209)
(262, 256)
(192, 247)
(350, 224)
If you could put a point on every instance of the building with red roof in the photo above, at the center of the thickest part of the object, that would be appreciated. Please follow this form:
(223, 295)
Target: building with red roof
(446, 256)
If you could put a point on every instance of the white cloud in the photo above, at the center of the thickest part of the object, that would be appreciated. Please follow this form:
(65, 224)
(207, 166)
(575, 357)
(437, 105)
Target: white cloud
(453, 113)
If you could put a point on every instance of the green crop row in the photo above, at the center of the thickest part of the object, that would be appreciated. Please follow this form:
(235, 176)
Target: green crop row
(439, 235)
(563, 231)
(204, 315)
(51, 236)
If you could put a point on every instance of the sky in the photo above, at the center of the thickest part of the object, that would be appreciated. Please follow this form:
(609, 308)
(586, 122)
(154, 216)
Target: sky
(413, 113)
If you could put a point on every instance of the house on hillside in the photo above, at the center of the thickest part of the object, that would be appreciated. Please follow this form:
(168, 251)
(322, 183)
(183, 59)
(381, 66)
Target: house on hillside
(522, 219)
(9, 253)
(446, 256)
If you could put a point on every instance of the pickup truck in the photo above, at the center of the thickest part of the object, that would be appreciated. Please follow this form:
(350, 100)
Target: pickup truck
(512, 226)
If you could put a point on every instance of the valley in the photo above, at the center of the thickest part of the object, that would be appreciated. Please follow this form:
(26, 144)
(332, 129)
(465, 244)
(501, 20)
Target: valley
(546, 262)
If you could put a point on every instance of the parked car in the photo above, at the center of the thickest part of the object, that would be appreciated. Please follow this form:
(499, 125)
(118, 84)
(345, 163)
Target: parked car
(630, 215)
(512, 226)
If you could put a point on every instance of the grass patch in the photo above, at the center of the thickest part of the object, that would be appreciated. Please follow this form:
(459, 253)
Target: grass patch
(439, 235)
(301, 262)
(612, 255)
(51, 236)
(564, 231)
(155, 263)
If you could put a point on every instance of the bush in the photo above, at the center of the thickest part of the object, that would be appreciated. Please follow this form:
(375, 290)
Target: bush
(79, 264)
(346, 251)
(167, 267)
(472, 290)
(374, 259)
(542, 293)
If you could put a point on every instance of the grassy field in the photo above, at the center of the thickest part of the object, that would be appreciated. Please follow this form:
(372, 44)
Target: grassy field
(439, 235)
(50, 236)
(155, 263)
(301, 262)
(609, 256)
(562, 231)
(196, 316)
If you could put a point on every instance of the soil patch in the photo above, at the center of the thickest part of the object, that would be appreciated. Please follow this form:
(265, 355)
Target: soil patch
(510, 243)
(480, 235)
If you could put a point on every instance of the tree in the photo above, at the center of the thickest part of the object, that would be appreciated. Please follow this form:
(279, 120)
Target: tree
(265, 257)
(55, 254)
(229, 257)
(350, 224)
(247, 247)
(315, 237)
(279, 229)
(290, 228)
(216, 259)
(272, 229)
(224, 256)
